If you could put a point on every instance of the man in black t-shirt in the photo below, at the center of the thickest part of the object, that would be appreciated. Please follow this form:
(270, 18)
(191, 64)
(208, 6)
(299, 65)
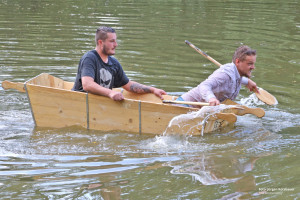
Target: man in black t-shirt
(99, 72)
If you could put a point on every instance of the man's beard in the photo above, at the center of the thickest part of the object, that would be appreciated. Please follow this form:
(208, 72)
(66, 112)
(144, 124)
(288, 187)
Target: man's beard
(247, 75)
(105, 51)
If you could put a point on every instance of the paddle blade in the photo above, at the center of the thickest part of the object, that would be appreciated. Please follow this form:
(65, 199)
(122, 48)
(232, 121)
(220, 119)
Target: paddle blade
(266, 97)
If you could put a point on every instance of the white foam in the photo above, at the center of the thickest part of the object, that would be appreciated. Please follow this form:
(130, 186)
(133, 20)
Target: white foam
(189, 121)
(252, 100)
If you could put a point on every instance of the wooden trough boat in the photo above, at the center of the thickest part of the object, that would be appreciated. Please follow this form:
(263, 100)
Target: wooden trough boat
(54, 105)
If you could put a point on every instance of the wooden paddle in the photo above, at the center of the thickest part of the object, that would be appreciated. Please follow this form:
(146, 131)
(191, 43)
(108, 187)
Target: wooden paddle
(266, 97)
(258, 112)
(13, 85)
(187, 103)
(263, 95)
(239, 110)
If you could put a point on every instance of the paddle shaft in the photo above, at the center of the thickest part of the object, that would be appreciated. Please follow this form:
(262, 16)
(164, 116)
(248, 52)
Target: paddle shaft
(203, 53)
(187, 103)
(259, 112)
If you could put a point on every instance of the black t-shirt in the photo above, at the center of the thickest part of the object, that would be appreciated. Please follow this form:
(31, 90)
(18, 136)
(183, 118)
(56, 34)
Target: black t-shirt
(109, 75)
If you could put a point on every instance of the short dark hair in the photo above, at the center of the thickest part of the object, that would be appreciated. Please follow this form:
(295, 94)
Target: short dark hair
(242, 52)
(101, 33)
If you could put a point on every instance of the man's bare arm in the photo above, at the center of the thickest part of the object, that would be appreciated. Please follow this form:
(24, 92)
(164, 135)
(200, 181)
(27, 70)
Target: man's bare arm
(135, 87)
(139, 88)
(89, 85)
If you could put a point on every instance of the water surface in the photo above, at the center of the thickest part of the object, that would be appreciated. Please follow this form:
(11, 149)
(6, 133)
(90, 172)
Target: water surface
(257, 159)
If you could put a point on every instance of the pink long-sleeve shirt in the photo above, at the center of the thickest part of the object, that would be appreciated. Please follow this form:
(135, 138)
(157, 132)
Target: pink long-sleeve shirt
(224, 83)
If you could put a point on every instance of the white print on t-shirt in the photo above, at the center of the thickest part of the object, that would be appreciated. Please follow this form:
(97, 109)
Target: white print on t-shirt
(105, 78)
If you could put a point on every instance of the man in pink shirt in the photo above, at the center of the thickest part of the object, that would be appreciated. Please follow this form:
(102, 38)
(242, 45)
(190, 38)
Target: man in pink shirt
(225, 82)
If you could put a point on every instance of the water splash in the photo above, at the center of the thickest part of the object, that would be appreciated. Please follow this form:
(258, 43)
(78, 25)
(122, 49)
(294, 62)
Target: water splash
(182, 144)
(252, 100)
(277, 120)
(193, 122)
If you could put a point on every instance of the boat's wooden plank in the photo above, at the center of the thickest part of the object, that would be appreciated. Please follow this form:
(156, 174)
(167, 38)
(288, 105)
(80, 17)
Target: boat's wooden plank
(146, 97)
(143, 97)
(47, 80)
(130, 95)
(68, 85)
(57, 108)
(219, 120)
(108, 115)
(194, 126)
(13, 85)
(40, 80)
(156, 117)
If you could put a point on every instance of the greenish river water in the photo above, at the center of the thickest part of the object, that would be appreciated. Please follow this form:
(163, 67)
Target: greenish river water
(258, 159)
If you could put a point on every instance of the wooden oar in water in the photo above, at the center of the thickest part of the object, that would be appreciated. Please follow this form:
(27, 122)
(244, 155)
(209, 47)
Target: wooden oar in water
(238, 110)
(263, 95)
(258, 112)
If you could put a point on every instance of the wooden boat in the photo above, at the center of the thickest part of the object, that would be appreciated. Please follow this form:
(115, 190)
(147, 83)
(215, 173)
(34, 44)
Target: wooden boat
(54, 105)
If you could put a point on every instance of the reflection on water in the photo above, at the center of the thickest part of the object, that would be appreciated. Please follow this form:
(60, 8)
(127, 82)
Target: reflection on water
(211, 170)
(72, 163)
(88, 163)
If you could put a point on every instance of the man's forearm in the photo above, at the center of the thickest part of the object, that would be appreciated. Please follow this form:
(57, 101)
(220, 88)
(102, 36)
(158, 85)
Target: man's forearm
(140, 88)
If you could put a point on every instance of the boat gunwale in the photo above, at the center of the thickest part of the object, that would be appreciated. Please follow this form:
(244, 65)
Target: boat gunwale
(126, 99)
